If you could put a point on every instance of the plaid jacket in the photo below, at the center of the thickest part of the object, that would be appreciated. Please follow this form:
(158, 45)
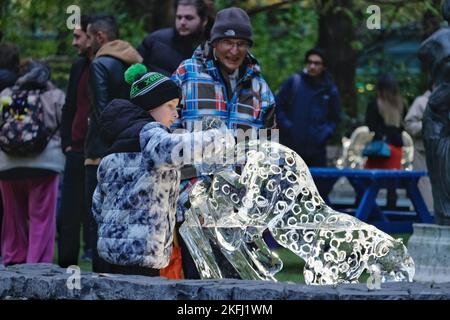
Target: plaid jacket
(204, 93)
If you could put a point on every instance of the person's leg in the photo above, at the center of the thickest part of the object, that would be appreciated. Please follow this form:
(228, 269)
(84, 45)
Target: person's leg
(319, 161)
(14, 235)
(43, 193)
(69, 217)
(85, 219)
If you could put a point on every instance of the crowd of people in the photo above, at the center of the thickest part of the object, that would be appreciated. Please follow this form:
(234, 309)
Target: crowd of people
(110, 136)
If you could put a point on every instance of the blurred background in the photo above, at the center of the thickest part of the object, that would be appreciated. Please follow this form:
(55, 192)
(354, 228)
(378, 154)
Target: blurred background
(283, 31)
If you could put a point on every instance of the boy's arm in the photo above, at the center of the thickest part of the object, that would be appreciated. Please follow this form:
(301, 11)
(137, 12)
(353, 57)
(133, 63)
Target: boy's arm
(167, 150)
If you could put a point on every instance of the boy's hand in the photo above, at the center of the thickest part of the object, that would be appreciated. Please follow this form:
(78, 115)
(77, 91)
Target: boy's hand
(212, 123)
(227, 139)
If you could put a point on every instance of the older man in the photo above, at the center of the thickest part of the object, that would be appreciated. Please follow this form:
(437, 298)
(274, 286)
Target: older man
(222, 80)
(73, 211)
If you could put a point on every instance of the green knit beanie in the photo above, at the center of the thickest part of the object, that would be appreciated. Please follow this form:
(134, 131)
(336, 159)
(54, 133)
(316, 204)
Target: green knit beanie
(149, 90)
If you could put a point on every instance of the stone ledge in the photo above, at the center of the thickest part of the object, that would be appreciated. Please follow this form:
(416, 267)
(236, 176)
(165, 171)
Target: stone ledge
(47, 281)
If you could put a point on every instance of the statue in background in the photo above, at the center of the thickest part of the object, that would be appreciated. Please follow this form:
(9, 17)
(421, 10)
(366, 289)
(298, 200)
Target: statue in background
(434, 53)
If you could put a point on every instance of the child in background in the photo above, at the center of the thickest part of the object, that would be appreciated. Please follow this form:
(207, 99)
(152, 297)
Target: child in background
(138, 180)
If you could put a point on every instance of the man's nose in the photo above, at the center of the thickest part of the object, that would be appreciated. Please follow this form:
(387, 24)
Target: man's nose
(234, 49)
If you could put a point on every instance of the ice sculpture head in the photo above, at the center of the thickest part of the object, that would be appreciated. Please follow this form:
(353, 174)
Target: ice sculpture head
(276, 181)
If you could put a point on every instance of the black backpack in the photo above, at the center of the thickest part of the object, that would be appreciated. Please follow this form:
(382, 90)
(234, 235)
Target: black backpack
(22, 128)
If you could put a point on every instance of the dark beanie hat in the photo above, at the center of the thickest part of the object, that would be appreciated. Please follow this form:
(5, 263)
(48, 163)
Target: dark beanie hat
(232, 23)
(150, 90)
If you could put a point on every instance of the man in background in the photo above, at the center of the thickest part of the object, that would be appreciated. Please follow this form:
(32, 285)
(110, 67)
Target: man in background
(163, 50)
(73, 211)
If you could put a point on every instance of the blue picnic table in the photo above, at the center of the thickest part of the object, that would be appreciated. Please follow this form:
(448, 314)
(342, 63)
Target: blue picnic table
(367, 184)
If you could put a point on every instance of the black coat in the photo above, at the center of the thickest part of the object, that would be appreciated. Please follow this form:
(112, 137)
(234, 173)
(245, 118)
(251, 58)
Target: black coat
(121, 123)
(164, 50)
(375, 122)
(106, 83)
(70, 106)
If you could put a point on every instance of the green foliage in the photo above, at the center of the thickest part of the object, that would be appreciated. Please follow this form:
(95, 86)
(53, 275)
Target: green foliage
(40, 31)
(281, 38)
(282, 35)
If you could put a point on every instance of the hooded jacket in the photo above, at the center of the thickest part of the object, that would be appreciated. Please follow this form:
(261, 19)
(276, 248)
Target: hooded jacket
(107, 83)
(138, 185)
(308, 111)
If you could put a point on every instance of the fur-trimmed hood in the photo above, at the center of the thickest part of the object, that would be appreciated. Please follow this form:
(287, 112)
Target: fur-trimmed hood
(121, 50)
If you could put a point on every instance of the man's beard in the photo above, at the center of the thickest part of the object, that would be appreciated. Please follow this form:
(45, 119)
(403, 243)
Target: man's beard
(84, 53)
(195, 36)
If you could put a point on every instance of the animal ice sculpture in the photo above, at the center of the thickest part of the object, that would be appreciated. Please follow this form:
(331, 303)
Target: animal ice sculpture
(275, 191)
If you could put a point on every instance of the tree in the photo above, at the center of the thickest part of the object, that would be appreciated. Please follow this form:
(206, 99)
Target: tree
(337, 36)
(156, 14)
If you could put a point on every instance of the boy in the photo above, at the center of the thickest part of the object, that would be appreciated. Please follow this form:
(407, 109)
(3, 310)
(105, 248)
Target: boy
(138, 180)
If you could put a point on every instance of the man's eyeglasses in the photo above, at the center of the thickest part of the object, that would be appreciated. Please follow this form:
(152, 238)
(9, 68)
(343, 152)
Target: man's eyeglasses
(229, 44)
(317, 63)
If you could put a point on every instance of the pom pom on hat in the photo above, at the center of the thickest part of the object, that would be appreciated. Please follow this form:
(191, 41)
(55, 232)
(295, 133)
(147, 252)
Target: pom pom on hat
(135, 72)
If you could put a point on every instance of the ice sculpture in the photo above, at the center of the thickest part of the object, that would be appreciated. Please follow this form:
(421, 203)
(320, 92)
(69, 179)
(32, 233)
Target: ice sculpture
(224, 226)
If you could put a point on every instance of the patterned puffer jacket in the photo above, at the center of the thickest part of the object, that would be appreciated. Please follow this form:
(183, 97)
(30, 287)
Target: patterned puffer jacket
(135, 200)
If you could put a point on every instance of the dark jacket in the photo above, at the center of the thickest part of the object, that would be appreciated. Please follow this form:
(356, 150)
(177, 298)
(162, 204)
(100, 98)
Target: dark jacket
(164, 50)
(307, 115)
(70, 106)
(374, 120)
(7, 79)
(120, 125)
(107, 83)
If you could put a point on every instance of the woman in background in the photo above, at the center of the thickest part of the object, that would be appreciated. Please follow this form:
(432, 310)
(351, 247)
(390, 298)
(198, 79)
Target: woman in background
(384, 117)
